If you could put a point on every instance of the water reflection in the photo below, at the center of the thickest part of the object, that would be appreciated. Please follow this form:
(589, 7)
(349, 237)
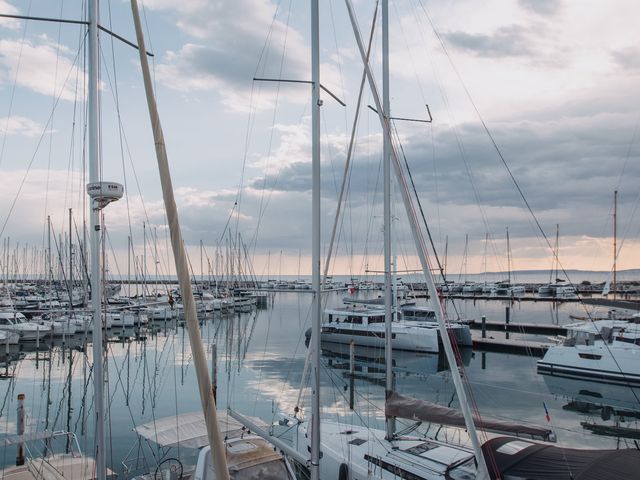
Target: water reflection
(260, 364)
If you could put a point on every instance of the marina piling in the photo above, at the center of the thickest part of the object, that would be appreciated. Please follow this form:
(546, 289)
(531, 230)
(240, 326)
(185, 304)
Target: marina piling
(352, 374)
(507, 318)
(214, 371)
(20, 429)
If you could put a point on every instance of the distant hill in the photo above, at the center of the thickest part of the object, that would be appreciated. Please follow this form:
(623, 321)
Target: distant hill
(631, 271)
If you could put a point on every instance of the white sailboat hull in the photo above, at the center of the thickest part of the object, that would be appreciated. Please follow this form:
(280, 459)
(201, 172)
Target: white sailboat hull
(404, 337)
(599, 362)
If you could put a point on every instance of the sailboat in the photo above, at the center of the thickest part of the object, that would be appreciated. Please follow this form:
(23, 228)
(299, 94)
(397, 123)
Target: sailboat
(558, 288)
(363, 453)
(101, 194)
(605, 351)
(237, 456)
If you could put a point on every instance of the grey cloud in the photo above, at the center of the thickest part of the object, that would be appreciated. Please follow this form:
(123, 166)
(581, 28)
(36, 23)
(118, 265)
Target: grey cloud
(512, 41)
(208, 65)
(233, 43)
(628, 58)
(542, 7)
(565, 169)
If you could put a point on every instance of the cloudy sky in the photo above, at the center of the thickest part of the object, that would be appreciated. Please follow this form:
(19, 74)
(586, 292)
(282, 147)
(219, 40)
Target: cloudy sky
(557, 83)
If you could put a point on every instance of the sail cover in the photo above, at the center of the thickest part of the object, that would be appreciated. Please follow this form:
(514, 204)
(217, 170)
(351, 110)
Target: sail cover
(415, 409)
(519, 459)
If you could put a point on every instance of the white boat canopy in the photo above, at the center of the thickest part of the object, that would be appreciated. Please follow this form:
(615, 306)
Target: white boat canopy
(189, 429)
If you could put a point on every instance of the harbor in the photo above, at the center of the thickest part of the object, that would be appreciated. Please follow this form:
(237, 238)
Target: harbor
(262, 350)
(260, 240)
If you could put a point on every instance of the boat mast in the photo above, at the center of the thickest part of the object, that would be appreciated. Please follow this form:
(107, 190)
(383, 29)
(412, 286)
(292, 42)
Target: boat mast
(615, 242)
(219, 459)
(70, 261)
(316, 305)
(96, 287)
(556, 260)
(482, 472)
(508, 259)
(386, 167)
(144, 260)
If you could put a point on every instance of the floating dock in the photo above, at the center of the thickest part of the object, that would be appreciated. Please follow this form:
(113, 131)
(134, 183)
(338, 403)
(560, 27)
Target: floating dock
(606, 302)
(531, 328)
(520, 347)
(511, 298)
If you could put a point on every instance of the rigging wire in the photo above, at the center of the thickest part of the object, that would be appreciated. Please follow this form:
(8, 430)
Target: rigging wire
(38, 144)
(515, 182)
(14, 85)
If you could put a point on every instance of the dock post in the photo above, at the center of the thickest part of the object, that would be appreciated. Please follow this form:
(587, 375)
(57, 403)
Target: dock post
(37, 346)
(352, 372)
(20, 429)
(484, 361)
(6, 349)
(507, 318)
(214, 371)
(484, 326)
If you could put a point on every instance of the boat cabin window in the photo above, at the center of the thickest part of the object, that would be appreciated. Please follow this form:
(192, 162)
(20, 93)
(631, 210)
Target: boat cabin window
(631, 340)
(585, 338)
(376, 319)
(396, 470)
(420, 314)
(353, 319)
(4, 321)
(590, 356)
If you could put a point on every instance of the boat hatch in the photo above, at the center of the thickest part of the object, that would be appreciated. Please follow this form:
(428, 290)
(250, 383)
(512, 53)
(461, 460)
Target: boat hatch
(358, 441)
(447, 456)
(514, 447)
(348, 432)
(421, 448)
(590, 356)
(240, 447)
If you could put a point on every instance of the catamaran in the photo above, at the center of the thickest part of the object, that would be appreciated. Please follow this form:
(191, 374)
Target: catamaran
(601, 350)
(417, 332)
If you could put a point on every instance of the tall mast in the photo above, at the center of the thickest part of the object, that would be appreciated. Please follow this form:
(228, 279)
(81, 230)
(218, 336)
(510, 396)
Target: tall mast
(482, 472)
(96, 287)
(155, 257)
(49, 267)
(70, 260)
(315, 239)
(555, 258)
(219, 459)
(508, 258)
(129, 266)
(615, 242)
(386, 166)
(144, 259)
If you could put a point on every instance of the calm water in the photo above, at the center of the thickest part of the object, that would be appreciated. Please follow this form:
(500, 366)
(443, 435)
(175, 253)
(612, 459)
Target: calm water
(260, 363)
